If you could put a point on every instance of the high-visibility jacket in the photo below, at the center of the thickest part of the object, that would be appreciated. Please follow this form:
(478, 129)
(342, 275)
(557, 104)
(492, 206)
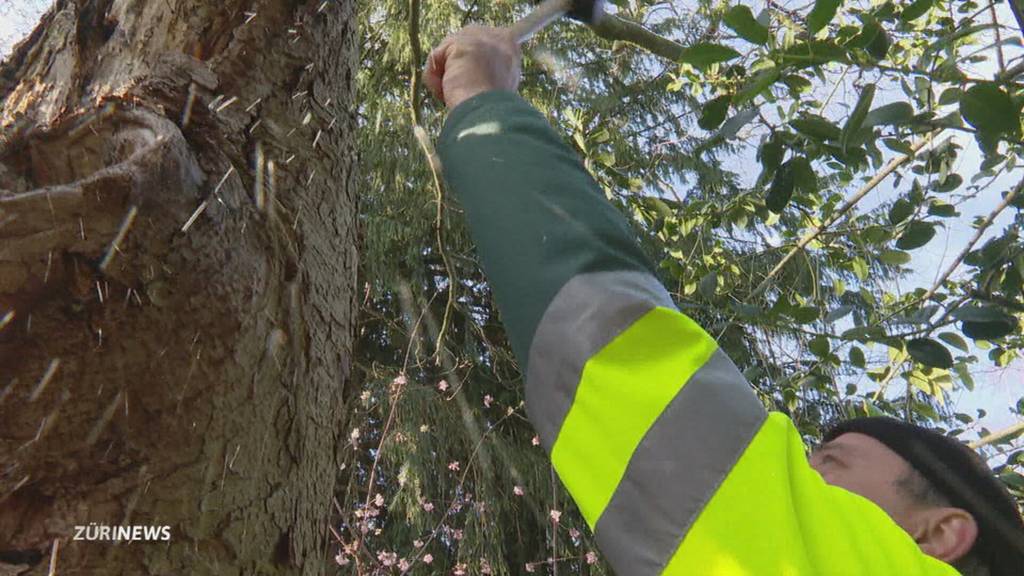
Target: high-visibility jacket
(674, 463)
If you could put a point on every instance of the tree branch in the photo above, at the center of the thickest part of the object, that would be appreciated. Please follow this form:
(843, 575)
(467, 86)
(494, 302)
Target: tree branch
(611, 27)
(997, 436)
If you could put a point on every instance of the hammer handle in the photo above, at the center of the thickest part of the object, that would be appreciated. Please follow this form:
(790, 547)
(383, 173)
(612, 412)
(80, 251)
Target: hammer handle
(541, 16)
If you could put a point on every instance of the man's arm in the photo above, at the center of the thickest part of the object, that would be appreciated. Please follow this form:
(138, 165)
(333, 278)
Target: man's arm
(670, 457)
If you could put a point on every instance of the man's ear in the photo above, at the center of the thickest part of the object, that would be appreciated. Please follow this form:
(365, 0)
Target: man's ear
(946, 533)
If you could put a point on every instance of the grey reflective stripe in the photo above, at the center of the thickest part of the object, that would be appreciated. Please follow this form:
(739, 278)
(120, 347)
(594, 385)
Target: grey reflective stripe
(678, 466)
(588, 312)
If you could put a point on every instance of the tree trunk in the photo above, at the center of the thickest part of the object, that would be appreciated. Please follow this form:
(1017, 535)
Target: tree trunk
(178, 232)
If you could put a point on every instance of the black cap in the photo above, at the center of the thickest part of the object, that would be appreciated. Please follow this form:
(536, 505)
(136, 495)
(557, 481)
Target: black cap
(586, 11)
(960, 474)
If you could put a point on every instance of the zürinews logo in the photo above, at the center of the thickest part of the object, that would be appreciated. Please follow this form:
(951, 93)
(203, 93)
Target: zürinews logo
(101, 533)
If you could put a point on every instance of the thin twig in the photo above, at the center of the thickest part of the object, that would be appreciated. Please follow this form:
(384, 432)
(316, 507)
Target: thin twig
(434, 163)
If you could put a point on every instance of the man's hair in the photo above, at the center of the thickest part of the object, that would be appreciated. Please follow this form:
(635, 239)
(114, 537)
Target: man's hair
(924, 493)
(960, 476)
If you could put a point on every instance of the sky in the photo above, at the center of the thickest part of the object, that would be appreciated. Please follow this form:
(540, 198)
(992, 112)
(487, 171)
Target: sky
(996, 390)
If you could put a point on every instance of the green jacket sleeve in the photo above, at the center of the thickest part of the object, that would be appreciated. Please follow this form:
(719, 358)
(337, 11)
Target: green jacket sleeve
(672, 460)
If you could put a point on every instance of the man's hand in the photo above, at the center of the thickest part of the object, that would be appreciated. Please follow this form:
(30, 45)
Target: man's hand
(473, 60)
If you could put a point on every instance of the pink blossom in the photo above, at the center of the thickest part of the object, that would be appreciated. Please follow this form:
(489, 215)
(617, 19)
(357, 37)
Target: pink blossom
(427, 558)
(460, 570)
(387, 558)
(574, 534)
(555, 516)
(442, 385)
(591, 558)
(454, 466)
(341, 559)
(378, 500)
(518, 490)
(417, 543)
(428, 506)
(535, 441)
(488, 399)
(529, 567)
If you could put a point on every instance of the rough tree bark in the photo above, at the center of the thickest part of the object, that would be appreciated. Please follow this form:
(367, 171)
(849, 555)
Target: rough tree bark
(178, 232)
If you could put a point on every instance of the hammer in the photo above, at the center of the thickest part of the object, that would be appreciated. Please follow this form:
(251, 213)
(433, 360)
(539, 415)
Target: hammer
(586, 11)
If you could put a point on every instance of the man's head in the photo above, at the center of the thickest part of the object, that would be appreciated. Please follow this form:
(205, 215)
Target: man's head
(934, 487)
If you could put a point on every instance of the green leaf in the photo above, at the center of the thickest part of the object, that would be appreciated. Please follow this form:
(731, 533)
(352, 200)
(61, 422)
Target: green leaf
(756, 85)
(985, 322)
(880, 44)
(872, 38)
(949, 183)
(942, 209)
(860, 268)
(991, 110)
(930, 353)
(708, 286)
(897, 145)
(900, 211)
(797, 84)
(803, 175)
(741, 20)
(770, 154)
(950, 95)
(894, 257)
(980, 314)
(916, 9)
(819, 346)
(781, 189)
(989, 330)
(714, 112)
(917, 234)
(893, 114)
(860, 112)
(856, 356)
(954, 340)
(806, 314)
(822, 13)
(705, 54)
(839, 313)
(817, 127)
